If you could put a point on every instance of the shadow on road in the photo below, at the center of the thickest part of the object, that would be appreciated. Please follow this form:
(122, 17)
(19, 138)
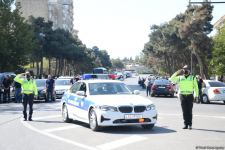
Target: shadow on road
(129, 129)
(208, 130)
(136, 130)
(47, 121)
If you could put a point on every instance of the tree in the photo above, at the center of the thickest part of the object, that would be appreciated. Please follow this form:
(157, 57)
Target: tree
(218, 58)
(117, 64)
(102, 57)
(42, 32)
(172, 44)
(195, 29)
(16, 38)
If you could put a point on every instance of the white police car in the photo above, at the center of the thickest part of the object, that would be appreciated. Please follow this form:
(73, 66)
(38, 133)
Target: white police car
(107, 103)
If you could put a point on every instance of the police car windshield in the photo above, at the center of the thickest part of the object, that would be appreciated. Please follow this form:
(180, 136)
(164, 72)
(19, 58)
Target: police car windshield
(62, 82)
(108, 88)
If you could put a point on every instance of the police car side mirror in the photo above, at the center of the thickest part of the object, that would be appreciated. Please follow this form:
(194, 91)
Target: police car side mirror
(136, 92)
(80, 93)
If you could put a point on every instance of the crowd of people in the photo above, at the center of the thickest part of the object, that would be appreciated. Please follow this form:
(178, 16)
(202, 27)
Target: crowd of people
(5, 89)
(10, 90)
(147, 82)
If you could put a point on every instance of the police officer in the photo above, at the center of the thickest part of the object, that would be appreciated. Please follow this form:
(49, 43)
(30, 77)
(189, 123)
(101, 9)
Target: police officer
(29, 90)
(188, 89)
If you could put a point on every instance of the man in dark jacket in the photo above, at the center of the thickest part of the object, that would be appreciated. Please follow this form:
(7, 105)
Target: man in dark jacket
(18, 94)
(50, 86)
(6, 86)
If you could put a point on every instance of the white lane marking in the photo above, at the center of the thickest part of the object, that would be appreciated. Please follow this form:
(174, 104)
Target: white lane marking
(26, 124)
(206, 116)
(218, 117)
(61, 128)
(47, 117)
(121, 142)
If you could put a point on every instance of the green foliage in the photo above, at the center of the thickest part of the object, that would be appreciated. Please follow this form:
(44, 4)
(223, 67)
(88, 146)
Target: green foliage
(16, 38)
(24, 42)
(102, 59)
(171, 44)
(117, 64)
(218, 58)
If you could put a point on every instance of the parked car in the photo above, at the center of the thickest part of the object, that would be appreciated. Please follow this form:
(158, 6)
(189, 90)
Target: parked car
(61, 85)
(107, 103)
(213, 90)
(162, 87)
(41, 89)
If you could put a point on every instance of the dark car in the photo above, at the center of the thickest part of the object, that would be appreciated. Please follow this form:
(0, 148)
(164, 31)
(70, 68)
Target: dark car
(41, 89)
(162, 87)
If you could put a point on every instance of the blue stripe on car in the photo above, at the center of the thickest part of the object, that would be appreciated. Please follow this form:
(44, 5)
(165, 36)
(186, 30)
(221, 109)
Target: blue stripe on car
(81, 103)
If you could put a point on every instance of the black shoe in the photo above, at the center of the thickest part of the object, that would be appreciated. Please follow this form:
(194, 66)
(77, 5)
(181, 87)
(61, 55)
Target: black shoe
(30, 118)
(190, 127)
(185, 127)
(25, 119)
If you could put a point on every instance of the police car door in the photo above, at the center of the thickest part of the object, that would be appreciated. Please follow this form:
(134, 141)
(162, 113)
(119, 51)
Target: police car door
(83, 102)
(72, 100)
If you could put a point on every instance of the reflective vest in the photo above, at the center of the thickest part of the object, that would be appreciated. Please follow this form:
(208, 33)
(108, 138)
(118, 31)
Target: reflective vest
(28, 87)
(187, 85)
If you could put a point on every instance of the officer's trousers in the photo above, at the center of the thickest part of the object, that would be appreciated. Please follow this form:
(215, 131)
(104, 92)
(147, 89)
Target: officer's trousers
(148, 90)
(28, 99)
(187, 105)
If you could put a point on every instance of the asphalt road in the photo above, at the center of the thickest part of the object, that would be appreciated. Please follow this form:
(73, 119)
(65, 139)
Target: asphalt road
(48, 132)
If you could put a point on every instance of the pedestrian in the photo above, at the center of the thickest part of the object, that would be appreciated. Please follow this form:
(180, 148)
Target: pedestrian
(18, 90)
(148, 86)
(200, 82)
(73, 80)
(1, 93)
(29, 90)
(188, 89)
(50, 86)
(6, 86)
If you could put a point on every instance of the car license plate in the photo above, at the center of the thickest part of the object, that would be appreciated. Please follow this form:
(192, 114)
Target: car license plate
(161, 87)
(133, 116)
(59, 92)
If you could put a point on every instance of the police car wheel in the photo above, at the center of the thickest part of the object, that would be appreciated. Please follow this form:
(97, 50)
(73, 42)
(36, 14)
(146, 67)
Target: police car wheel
(148, 126)
(93, 120)
(65, 115)
(205, 99)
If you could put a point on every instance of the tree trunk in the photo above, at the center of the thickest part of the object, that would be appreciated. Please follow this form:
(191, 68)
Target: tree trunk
(199, 59)
(41, 69)
(56, 66)
(49, 66)
(37, 64)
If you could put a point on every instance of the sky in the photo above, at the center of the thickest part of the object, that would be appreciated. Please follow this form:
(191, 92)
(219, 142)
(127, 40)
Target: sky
(122, 26)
